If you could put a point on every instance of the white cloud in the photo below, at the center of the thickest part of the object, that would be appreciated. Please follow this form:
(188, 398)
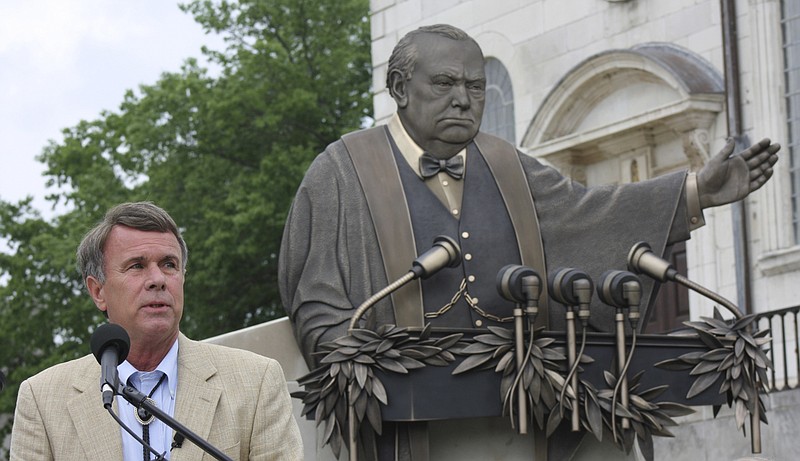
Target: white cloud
(62, 61)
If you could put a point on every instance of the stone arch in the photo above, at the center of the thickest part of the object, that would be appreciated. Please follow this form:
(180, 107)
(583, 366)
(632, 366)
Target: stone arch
(623, 106)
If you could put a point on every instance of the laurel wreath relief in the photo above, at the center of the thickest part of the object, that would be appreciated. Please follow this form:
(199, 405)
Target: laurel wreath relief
(348, 365)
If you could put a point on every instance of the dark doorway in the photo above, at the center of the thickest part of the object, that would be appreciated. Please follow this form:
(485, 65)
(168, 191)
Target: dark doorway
(671, 307)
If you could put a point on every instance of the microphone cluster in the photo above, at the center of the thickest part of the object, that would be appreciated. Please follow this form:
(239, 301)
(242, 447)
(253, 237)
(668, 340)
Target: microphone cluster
(621, 289)
(574, 288)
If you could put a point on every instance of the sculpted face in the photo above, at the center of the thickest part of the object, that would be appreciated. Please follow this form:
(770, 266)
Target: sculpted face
(441, 105)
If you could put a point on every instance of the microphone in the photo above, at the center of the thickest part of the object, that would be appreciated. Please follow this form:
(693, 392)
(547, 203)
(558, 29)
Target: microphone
(572, 287)
(621, 289)
(520, 284)
(445, 253)
(177, 441)
(642, 260)
(110, 345)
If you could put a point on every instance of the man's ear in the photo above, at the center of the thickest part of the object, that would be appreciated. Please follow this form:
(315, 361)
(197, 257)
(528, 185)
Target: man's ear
(398, 88)
(95, 289)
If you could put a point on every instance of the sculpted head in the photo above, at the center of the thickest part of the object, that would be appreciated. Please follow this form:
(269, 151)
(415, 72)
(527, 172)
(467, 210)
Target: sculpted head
(436, 76)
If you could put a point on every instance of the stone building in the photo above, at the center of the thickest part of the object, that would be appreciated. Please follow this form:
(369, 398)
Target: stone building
(612, 91)
(615, 91)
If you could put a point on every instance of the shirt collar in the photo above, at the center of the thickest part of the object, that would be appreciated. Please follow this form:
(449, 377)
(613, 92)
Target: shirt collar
(168, 366)
(408, 148)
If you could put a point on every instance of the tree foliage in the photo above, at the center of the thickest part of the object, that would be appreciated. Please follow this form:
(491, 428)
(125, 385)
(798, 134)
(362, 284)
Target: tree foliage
(222, 150)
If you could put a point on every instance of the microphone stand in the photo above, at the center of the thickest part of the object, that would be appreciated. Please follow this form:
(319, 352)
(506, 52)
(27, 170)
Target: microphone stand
(622, 378)
(360, 311)
(641, 259)
(139, 400)
(755, 417)
(519, 343)
(445, 253)
(530, 293)
(583, 291)
(571, 361)
(522, 285)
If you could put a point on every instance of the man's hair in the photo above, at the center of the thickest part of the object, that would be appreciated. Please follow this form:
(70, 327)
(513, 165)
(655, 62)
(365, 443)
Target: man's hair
(143, 216)
(404, 54)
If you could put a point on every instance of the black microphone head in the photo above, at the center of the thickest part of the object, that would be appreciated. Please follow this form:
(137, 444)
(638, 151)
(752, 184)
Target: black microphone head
(561, 284)
(445, 253)
(452, 248)
(611, 289)
(509, 282)
(110, 335)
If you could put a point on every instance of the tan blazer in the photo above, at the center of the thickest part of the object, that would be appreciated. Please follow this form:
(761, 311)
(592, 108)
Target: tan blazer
(237, 400)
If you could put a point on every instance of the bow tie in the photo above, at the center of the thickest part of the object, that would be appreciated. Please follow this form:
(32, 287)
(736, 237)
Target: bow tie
(430, 166)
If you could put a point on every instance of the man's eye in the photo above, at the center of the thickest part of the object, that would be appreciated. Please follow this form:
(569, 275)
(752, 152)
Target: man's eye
(136, 266)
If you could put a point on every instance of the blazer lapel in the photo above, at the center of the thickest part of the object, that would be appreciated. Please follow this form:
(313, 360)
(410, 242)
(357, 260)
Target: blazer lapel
(98, 434)
(196, 399)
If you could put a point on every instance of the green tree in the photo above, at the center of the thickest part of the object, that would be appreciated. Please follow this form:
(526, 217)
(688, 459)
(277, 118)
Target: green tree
(223, 153)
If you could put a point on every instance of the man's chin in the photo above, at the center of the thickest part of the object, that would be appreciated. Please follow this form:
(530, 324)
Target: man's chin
(457, 133)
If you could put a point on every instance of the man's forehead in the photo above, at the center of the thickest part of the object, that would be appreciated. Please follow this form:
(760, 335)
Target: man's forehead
(126, 241)
(429, 41)
(452, 58)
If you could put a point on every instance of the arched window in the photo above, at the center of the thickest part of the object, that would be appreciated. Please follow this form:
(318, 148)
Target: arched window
(498, 115)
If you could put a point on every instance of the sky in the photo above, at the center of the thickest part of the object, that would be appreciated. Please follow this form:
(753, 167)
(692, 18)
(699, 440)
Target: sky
(63, 61)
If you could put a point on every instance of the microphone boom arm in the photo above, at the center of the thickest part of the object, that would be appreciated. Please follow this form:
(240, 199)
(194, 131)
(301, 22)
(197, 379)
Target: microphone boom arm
(709, 294)
(364, 307)
(444, 253)
(140, 400)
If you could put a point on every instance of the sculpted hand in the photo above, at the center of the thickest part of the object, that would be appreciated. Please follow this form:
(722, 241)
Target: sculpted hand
(727, 178)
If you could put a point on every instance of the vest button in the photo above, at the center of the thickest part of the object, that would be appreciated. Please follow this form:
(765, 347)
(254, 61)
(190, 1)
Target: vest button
(478, 322)
(455, 212)
(465, 235)
(471, 278)
(468, 257)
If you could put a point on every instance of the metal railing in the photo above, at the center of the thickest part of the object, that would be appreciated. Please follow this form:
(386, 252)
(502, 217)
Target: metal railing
(783, 349)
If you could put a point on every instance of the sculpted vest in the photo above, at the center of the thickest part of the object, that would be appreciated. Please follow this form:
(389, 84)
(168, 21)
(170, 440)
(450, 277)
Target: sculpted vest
(486, 237)
(378, 172)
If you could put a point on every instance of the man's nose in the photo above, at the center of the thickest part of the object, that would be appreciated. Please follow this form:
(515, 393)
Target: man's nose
(156, 280)
(461, 96)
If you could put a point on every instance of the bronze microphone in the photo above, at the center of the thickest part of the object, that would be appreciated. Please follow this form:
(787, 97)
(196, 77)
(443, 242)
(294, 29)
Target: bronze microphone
(522, 285)
(572, 288)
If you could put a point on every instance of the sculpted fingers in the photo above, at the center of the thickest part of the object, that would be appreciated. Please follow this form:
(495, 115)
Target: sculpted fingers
(760, 175)
(759, 181)
(727, 150)
(761, 156)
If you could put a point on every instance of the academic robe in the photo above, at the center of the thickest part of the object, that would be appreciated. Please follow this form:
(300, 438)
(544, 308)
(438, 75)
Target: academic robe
(331, 261)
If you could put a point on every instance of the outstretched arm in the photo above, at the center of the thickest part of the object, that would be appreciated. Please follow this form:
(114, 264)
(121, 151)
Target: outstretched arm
(727, 178)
